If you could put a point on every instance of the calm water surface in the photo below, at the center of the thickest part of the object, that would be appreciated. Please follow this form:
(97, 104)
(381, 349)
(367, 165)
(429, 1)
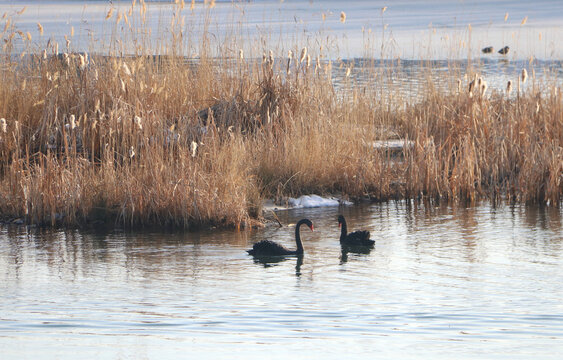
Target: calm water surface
(441, 282)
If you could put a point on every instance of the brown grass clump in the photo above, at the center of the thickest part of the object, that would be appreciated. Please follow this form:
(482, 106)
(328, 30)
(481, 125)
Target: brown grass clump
(161, 141)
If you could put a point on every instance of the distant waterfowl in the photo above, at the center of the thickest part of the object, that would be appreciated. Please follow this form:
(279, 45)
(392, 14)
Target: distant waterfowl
(356, 238)
(270, 248)
(504, 50)
(487, 50)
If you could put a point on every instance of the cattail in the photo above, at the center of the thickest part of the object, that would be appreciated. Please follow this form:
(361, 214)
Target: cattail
(303, 55)
(348, 71)
(66, 59)
(342, 17)
(524, 21)
(471, 87)
(308, 61)
(508, 87)
(484, 88)
(458, 85)
(82, 61)
(138, 121)
(289, 57)
(192, 5)
(3, 125)
(194, 148)
(383, 9)
(72, 121)
(131, 152)
(524, 76)
(271, 59)
(505, 17)
(126, 69)
(44, 55)
(318, 65)
(212, 4)
(241, 54)
(109, 14)
(40, 29)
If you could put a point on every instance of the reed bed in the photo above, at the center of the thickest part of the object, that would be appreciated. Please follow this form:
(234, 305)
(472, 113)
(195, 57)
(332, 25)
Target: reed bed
(144, 140)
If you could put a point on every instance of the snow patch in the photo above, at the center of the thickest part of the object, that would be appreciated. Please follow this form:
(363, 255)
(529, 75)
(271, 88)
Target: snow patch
(310, 201)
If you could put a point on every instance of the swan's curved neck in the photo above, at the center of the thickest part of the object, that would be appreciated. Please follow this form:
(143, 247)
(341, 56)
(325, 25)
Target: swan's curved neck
(344, 230)
(298, 238)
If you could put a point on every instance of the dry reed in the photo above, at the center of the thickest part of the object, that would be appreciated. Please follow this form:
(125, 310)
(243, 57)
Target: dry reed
(156, 141)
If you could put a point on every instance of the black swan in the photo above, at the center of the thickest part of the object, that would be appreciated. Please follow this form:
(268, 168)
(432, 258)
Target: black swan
(270, 248)
(356, 238)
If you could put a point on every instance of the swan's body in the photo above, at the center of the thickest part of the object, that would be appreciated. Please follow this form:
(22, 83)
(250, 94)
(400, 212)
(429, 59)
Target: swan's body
(356, 238)
(270, 248)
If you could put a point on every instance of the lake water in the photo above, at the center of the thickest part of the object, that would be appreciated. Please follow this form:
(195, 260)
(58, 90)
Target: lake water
(442, 282)
(407, 29)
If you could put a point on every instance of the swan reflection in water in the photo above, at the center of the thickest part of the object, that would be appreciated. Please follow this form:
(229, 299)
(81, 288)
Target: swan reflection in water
(356, 250)
(269, 261)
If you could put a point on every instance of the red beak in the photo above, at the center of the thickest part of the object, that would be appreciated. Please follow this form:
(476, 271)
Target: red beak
(312, 228)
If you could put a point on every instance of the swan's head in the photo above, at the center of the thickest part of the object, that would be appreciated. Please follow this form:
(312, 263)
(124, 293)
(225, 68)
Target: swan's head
(307, 222)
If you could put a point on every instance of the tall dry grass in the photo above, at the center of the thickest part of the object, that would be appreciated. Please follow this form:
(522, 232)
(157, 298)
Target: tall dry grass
(145, 140)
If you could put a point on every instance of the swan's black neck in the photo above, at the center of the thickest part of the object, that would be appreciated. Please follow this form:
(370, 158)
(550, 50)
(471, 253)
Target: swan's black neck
(344, 230)
(298, 236)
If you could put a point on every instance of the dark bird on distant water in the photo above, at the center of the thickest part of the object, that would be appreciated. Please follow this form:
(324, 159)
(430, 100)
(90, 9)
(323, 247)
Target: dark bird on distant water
(487, 50)
(270, 248)
(504, 50)
(356, 238)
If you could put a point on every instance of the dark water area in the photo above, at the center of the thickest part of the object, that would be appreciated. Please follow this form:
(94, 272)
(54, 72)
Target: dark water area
(441, 282)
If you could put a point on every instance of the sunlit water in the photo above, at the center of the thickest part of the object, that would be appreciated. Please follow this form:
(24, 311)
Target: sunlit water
(441, 282)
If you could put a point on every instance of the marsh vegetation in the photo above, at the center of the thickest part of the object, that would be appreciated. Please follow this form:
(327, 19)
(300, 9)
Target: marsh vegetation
(200, 134)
